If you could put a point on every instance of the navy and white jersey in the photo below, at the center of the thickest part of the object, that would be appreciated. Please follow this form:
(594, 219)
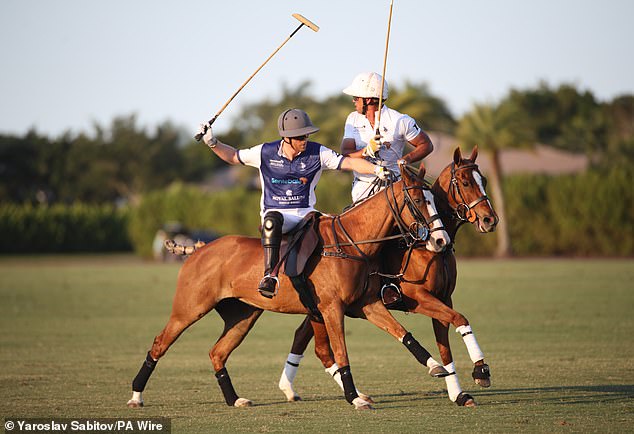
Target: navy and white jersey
(289, 186)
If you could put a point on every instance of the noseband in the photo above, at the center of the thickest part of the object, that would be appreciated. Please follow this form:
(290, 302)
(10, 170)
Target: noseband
(463, 210)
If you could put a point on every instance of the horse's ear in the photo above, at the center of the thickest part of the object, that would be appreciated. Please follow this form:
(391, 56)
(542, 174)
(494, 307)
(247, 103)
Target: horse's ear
(457, 156)
(405, 174)
(421, 172)
(474, 154)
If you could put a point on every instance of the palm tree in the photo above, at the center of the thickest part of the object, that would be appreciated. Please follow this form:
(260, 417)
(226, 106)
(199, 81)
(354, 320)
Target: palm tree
(494, 128)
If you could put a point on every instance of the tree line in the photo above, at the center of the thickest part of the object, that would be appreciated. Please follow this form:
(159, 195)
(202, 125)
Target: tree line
(121, 162)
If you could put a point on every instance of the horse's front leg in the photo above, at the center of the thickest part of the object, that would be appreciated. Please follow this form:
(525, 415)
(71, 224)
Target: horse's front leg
(377, 314)
(333, 315)
(441, 331)
(427, 304)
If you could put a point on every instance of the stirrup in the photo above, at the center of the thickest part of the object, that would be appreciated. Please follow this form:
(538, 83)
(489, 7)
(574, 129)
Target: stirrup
(392, 297)
(265, 286)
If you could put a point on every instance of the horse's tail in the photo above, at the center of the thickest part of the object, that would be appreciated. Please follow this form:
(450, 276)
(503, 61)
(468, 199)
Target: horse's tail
(179, 249)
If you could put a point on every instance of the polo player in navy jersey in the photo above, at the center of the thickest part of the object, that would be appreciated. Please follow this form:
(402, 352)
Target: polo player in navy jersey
(290, 169)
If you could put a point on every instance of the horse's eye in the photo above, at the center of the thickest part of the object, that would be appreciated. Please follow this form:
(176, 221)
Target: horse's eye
(465, 183)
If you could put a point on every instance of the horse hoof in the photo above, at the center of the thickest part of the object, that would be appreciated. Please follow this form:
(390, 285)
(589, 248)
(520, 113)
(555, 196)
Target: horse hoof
(465, 400)
(438, 372)
(366, 398)
(243, 402)
(482, 382)
(361, 404)
(133, 403)
(482, 375)
(290, 394)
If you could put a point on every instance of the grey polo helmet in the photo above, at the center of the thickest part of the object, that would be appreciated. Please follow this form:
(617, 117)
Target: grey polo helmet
(295, 123)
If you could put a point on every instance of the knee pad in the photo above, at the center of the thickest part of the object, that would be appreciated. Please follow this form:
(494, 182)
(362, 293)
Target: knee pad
(272, 228)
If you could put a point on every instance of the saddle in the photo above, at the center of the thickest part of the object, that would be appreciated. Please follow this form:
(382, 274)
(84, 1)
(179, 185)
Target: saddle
(296, 248)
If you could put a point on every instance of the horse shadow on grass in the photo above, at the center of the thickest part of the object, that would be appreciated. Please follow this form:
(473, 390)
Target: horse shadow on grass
(550, 395)
(560, 394)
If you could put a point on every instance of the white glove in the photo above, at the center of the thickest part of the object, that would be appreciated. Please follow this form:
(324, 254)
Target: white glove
(373, 147)
(208, 135)
(381, 172)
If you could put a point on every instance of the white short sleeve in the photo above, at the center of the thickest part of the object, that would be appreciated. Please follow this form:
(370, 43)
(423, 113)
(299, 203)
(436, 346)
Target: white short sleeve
(408, 128)
(329, 158)
(348, 129)
(251, 156)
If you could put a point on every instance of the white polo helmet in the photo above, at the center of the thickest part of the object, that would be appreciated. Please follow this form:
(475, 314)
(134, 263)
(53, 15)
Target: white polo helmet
(367, 85)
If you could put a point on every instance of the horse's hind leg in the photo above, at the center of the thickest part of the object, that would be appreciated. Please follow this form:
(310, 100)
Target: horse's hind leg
(178, 322)
(239, 318)
(303, 336)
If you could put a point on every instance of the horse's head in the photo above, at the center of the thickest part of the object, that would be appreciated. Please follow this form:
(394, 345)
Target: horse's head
(425, 221)
(465, 187)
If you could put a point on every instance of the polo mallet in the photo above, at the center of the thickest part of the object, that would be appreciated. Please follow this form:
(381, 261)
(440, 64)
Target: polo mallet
(304, 22)
(387, 43)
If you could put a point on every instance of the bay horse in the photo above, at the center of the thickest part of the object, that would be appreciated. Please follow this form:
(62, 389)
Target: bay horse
(224, 275)
(427, 281)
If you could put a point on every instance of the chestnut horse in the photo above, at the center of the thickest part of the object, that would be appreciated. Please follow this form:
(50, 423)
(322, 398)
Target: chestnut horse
(427, 280)
(224, 275)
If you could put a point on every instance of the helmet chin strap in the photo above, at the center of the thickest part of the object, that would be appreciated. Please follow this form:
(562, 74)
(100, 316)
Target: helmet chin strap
(364, 111)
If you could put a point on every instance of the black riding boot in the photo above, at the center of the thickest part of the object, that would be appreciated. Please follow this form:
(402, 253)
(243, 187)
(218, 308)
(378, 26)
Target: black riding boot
(271, 240)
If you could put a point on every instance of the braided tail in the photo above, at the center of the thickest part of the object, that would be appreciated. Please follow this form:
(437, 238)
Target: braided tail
(178, 249)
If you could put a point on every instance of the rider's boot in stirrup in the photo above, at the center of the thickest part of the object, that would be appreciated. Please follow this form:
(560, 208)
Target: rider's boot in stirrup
(271, 239)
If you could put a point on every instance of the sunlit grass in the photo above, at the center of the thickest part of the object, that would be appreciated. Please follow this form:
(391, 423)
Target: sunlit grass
(557, 334)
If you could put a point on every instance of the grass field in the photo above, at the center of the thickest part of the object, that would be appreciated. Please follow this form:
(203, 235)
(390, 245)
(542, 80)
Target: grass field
(558, 335)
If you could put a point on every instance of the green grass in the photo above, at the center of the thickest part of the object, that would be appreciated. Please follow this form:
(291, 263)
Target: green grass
(558, 336)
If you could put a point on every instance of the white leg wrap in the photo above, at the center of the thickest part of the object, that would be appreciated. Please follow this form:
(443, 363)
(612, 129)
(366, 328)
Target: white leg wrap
(137, 396)
(475, 353)
(431, 363)
(288, 374)
(453, 385)
(334, 374)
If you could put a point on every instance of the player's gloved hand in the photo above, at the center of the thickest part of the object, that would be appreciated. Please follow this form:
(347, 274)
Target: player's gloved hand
(373, 147)
(207, 134)
(381, 172)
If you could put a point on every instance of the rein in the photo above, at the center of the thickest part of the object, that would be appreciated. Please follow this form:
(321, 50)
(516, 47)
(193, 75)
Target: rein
(416, 232)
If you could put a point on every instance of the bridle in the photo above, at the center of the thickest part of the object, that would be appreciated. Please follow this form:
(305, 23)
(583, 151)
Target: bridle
(464, 211)
(413, 234)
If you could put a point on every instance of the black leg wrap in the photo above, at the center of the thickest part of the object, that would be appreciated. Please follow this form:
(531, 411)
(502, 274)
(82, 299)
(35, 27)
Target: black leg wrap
(348, 385)
(141, 379)
(462, 399)
(421, 354)
(481, 372)
(224, 381)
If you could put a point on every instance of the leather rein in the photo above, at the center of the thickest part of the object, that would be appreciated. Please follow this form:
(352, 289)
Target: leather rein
(418, 231)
